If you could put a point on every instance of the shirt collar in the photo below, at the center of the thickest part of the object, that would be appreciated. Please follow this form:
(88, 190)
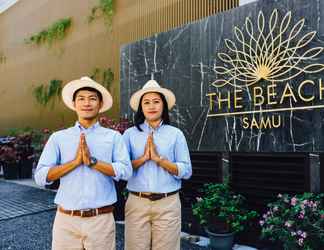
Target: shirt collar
(146, 126)
(81, 128)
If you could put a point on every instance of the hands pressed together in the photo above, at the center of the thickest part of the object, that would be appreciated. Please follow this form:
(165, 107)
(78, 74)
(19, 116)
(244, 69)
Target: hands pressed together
(83, 153)
(150, 152)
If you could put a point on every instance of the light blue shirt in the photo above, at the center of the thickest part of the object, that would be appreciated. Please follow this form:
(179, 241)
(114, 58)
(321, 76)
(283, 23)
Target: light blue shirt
(83, 187)
(171, 145)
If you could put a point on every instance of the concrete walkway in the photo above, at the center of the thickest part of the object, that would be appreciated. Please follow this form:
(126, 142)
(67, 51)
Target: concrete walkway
(27, 213)
(30, 229)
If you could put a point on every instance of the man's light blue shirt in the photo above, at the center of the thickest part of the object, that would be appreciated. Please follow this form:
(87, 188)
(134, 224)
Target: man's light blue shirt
(171, 145)
(83, 187)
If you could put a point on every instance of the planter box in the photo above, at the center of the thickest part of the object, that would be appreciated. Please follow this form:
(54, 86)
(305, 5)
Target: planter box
(10, 171)
(25, 169)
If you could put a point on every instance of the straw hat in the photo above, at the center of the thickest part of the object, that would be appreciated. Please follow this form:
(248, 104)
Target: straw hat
(70, 88)
(152, 86)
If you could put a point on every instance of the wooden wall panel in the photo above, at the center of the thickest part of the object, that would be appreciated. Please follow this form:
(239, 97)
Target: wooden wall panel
(87, 46)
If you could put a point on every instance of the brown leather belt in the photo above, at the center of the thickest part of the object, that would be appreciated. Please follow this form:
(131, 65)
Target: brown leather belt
(88, 212)
(153, 196)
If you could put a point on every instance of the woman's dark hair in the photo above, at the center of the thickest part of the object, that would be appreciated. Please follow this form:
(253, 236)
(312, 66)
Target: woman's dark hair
(88, 89)
(139, 115)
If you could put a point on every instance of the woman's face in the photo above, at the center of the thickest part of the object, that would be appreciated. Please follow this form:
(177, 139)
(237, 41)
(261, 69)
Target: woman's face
(152, 106)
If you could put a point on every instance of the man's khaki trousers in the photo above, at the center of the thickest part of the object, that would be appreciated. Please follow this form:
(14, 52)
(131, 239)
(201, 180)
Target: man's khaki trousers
(78, 233)
(152, 225)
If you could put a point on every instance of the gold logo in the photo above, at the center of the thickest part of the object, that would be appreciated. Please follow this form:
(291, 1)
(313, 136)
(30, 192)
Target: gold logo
(276, 53)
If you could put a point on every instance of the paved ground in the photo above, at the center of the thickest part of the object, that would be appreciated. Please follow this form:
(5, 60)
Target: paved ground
(30, 229)
(18, 200)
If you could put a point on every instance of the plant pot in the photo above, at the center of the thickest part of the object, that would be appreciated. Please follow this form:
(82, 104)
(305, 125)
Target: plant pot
(223, 241)
(10, 171)
(25, 169)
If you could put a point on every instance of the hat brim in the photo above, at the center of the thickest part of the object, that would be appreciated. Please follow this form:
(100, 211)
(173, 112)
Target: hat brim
(70, 88)
(136, 97)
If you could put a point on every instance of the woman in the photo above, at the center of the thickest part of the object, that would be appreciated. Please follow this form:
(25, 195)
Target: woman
(160, 159)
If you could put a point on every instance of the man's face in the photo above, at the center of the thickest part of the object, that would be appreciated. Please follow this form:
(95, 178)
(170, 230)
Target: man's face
(87, 104)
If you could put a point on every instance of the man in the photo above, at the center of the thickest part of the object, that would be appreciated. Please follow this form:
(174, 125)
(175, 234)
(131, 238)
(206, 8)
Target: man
(86, 158)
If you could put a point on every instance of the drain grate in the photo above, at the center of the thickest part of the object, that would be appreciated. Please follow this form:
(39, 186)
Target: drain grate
(17, 200)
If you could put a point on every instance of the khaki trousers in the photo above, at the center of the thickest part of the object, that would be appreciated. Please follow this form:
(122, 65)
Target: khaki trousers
(152, 225)
(78, 233)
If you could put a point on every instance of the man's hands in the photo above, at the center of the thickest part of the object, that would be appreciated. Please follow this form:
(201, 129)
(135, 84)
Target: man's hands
(83, 154)
(82, 157)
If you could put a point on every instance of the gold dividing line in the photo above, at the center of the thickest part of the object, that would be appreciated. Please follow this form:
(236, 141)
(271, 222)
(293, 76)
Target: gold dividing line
(266, 111)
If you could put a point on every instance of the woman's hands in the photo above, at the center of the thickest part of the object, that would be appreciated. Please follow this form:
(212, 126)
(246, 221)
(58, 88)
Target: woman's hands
(150, 152)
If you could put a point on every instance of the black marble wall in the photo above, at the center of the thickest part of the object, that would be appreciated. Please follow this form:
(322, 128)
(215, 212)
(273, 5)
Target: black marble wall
(183, 60)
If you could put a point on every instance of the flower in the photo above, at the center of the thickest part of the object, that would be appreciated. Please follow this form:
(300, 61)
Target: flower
(287, 224)
(46, 131)
(293, 201)
(298, 223)
(8, 154)
(221, 210)
(17, 149)
(300, 242)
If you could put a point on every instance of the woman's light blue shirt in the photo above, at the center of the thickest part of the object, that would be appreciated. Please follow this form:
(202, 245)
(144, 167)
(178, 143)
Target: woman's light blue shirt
(171, 145)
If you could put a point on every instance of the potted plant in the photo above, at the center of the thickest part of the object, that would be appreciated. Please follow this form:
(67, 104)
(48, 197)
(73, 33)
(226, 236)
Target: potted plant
(295, 221)
(22, 143)
(222, 213)
(38, 141)
(25, 152)
(9, 161)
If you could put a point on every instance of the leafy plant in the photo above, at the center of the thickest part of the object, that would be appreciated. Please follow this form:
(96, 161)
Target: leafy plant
(8, 154)
(105, 8)
(56, 31)
(120, 125)
(23, 144)
(39, 139)
(95, 74)
(18, 148)
(221, 210)
(44, 94)
(105, 76)
(3, 58)
(296, 221)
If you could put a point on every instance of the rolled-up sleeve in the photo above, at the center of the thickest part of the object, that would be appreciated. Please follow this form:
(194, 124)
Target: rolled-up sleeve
(126, 140)
(49, 158)
(182, 157)
(120, 159)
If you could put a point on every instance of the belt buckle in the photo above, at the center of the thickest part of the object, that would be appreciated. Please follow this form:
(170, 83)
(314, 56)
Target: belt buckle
(82, 211)
(155, 197)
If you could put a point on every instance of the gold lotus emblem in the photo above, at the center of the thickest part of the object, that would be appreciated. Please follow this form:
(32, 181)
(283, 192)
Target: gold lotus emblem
(273, 53)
